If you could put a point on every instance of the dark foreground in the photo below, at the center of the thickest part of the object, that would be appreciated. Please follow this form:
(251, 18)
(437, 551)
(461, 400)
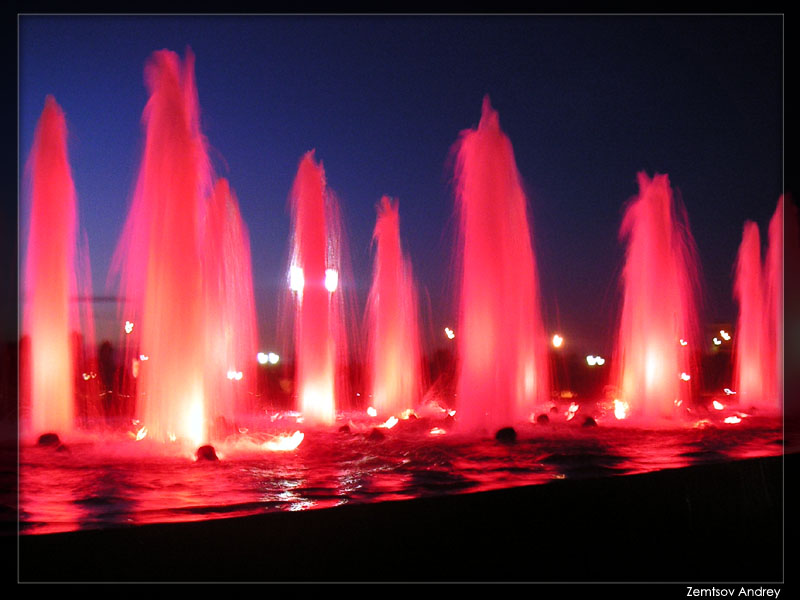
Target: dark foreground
(708, 523)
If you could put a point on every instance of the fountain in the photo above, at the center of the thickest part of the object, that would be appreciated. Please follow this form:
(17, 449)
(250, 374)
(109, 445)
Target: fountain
(502, 357)
(314, 281)
(189, 314)
(658, 333)
(160, 261)
(231, 336)
(50, 314)
(394, 347)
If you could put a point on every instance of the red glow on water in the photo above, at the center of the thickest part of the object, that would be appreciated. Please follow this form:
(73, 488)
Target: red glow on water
(501, 342)
(659, 283)
(49, 315)
(394, 346)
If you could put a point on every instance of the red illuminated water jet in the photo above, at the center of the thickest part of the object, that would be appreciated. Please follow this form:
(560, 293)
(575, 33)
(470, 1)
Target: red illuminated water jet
(394, 347)
(231, 335)
(503, 370)
(658, 332)
(314, 281)
(758, 289)
(160, 260)
(50, 316)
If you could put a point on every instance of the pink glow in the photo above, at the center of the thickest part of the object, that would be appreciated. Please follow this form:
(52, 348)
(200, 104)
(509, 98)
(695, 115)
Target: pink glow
(394, 348)
(501, 343)
(50, 317)
(659, 309)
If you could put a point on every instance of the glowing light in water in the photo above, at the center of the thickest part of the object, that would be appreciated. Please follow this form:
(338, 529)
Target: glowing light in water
(733, 419)
(659, 283)
(128, 327)
(49, 316)
(284, 443)
(620, 409)
(449, 333)
(331, 280)
(558, 341)
(718, 405)
(372, 412)
(499, 313)
(395, 361)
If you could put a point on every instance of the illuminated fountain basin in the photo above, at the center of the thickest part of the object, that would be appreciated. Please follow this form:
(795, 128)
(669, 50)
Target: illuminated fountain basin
(109, 481)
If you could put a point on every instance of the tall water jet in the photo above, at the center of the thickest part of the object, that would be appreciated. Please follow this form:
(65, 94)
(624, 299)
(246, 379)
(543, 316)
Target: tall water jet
(773, 313)
(749, 342)
(502, 356)
(314, 282)
(658, 332)
(49, 315)
(159, 258)
(394, 347)
(231, 336)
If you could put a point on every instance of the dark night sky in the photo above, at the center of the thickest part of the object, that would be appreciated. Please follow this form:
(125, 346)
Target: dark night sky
(587, 102)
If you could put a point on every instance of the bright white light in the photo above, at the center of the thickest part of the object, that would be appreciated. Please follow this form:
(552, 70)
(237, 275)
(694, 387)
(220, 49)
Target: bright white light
(283, 443)
(262, 358)
(733, 419)
(331, 280)
(683, 342)
(449, 333)
(144, 357)
(725, 335)
(273, 358)
(233, 374)
(620, 409)
(685, 377)
(718, 405)
(296, 279)
(372, 412)
(728, 391)
(438, 431)
(591, 360)
(558, 341)
(390, 422)
(128, 326)
(716, 341)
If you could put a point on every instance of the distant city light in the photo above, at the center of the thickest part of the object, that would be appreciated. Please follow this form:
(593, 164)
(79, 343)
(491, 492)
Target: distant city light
(235, 375)
(716, 341)
(273, 358)
(558, 341)
(592, 360)
(725, 335)
(128, 327)
(685, 377)
(144, 357)
(331, 280)
(683, 342)
(449, 333)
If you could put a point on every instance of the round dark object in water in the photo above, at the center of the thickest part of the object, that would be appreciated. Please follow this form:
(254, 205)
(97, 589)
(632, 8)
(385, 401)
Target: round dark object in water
(506, 435)
(49, 440)
(543, 419)
(344, 429)
(206, 452)
(589, 422)
(376, 435)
